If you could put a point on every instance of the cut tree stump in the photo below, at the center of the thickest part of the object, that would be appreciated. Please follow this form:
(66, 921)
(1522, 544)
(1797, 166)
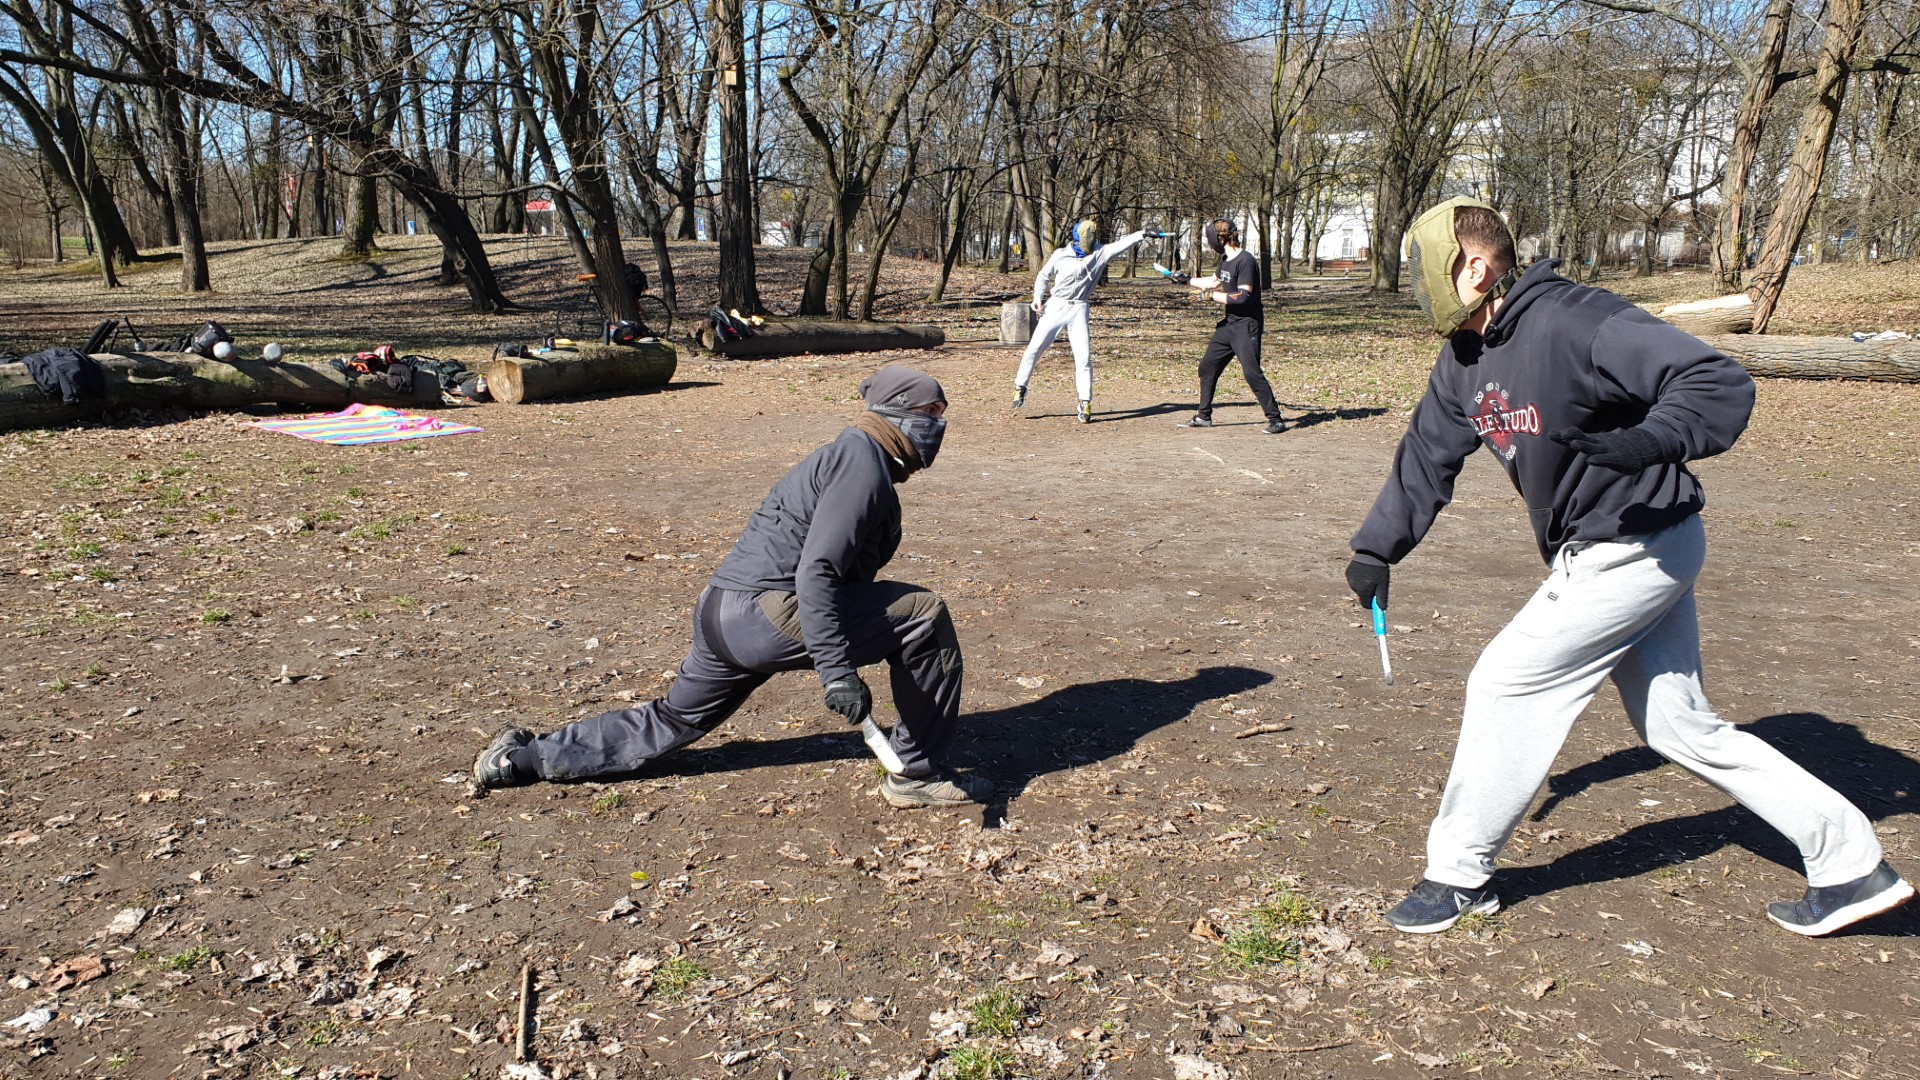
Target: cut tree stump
(1016, 322)
(794, 337)
(1822, 357)
(590, 369)
(186, 381)
(1720, 315)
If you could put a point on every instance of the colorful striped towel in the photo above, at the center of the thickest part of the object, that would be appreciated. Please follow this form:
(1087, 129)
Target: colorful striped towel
(356, 425)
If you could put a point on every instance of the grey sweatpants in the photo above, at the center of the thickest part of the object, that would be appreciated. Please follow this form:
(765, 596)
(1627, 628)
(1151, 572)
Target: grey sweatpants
(742, 639)
(1622, 608)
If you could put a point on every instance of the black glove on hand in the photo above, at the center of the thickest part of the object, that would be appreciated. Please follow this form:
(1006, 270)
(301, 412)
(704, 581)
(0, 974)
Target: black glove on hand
(1152, 232)
(1627, 450)
(849, 697)
(1369, 582)
(1179, 277)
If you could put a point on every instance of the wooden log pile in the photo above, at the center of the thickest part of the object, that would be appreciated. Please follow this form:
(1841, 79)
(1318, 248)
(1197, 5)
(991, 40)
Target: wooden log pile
(1822, 357)
(187, 381)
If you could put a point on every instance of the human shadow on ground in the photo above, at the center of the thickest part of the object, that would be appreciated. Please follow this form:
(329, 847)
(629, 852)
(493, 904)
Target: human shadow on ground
(1073, 726)
(1881, 781)
(1299, 415)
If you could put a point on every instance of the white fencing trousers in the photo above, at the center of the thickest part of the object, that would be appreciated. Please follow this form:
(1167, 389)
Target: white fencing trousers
(1061, 315)
(1623, 608)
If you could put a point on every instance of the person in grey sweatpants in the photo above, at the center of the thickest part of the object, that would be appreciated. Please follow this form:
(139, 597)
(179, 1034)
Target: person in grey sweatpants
(798, 591)
(1592, 406)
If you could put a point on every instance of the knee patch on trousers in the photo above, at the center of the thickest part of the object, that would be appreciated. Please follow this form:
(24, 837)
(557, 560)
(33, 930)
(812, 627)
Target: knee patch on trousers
(925, 606)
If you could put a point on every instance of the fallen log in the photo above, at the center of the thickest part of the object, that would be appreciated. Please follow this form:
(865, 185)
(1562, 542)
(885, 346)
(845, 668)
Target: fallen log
(589, 369)
(1822, 357)
(1720, 315)
(794, 337)
(186, 381)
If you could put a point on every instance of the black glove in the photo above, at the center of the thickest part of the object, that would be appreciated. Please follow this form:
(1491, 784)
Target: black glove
(849, 697)
(1369, 582)
(1179, 277)
(1627, 450)
(1152, 232)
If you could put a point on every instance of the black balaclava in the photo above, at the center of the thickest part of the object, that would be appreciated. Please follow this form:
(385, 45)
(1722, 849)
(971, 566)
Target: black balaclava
(894, 392)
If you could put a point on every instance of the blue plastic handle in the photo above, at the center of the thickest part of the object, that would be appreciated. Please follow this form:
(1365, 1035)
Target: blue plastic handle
(1379, 620)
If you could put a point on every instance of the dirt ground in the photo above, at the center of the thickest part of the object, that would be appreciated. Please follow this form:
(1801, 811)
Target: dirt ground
(246, 676)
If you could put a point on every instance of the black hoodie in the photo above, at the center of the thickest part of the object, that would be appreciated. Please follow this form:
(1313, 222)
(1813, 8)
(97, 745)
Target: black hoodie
(1561, 355)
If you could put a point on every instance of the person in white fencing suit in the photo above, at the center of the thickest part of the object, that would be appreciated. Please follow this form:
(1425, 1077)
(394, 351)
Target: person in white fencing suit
(1061, 294)
(1593, 407)
(799, 592)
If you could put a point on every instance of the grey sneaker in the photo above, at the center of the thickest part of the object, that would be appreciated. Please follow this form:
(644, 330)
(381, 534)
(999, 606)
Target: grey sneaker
(1019, 396)
(1831, 907)
(1198, 421)
(1086, 412)
(493, 768)
(946, 789)
(1274, 427)
(1432, 907)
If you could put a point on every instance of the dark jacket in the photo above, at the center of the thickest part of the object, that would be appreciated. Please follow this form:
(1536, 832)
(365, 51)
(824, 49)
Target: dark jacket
(1561, 355)
(831, 522)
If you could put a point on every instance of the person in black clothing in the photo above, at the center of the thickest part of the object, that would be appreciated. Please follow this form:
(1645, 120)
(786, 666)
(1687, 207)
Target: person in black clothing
(798, 591)
(1236, 287)
(1593, 407)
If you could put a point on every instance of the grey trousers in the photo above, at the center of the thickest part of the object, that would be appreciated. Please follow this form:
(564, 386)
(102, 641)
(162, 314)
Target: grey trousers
(1622, 609)
(740, 640)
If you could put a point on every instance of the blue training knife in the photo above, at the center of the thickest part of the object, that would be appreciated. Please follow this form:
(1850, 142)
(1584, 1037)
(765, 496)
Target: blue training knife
(1380, 635)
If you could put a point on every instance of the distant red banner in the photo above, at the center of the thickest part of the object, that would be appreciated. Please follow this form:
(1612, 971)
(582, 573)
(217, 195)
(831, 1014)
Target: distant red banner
(536, 205)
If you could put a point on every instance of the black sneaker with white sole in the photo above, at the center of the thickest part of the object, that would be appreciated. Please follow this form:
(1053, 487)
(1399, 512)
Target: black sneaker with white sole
(1198, 421)
(1432, 907)
(1831, 907)
(1274, 427)
(1019, 396)
(494, 768)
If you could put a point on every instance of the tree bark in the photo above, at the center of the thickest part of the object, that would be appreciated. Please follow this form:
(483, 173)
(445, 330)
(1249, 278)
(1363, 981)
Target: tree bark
(592, 369)
(1823, 357)
(1730, 237)
(1808, 164)
(795, 337)
(733, 225)
(181, 380)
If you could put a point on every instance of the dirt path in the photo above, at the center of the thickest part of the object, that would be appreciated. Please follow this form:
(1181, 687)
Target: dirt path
(317, 892)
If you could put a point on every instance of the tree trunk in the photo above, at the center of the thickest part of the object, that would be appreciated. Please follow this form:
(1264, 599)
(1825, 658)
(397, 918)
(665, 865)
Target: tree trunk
(733, 225)
(593, 369)
(1823, 357)
(1808, 164)
(795, 337)
(1730, 237)
(363, 212)
(190, 382)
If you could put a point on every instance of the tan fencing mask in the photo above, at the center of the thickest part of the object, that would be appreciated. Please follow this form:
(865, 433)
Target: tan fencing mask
(1432, 249)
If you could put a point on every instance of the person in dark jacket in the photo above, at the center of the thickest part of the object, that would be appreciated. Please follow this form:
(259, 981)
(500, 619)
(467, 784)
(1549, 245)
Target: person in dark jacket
(1235, 286)
(799, 591)
(1593, 407)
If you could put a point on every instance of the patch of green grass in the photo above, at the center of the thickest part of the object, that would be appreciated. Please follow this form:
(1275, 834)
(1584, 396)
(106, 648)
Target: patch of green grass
(998, 1011)
(606, 802)
(215, 615)
(355, 492)
(170, 497)
(1286, 911)
(384, 528)
(1251, 946)
(59, 686)
(323, 1031)
(365, 614)
(90, 482)
(1379, 963)
(979, 1063)
(454, 549)
(102, 574)
(93, 671)
(187, 959)
(1479, 924)
(327, 515)
(674, 978)
(83, 551)
(404, 601)
(118, 1060)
